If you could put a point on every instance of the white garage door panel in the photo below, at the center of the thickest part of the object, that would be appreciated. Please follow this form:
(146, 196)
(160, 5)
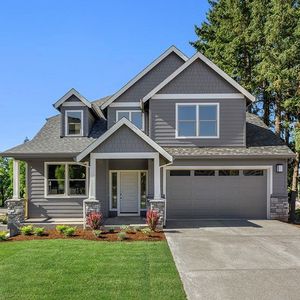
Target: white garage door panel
(217, 196)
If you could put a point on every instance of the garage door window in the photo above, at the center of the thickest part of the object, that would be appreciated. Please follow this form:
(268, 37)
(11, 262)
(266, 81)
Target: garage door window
(204, 173)
(180, 173)
(253, 172)
(229, 172)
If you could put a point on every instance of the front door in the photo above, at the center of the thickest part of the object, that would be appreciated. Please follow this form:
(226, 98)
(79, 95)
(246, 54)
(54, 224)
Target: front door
(129, 193)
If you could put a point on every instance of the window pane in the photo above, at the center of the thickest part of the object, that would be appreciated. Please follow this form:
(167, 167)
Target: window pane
(229, 173)
(207, 128)
(204, 173)
(180, 173)
(114, 196)
(77, 187)
(143, 190)
(77, 172)
(253, 172)
(136, 119)
(56, 187)
(186, 128)
(74, 122)
(123, 114)
(208, 112)
(187, 112)
(56, 171)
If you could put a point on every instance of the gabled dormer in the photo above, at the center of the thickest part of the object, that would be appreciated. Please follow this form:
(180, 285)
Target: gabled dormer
(77, 114)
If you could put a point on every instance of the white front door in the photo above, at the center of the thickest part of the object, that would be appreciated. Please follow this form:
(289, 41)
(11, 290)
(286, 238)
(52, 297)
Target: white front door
(129, 193)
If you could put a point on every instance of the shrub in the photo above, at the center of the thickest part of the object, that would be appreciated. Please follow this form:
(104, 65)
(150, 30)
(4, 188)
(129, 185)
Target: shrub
(111, 230)
(3, 219)
(70, 231)
(3, 236)
(39, 231)
(97, 233)
(137, 228)
(61, 228)
(152, 219)
(122, 236)
(27, 230)
(95, 220)
(146, 231)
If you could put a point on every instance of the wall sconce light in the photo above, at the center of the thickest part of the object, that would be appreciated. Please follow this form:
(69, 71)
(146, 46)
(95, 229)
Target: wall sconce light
(279, 168)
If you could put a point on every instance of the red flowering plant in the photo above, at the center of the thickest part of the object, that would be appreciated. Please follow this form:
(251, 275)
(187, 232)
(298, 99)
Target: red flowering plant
(94, 220)
(152, 219)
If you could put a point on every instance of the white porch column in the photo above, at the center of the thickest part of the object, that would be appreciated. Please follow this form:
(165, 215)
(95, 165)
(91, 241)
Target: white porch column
(16, 179)
(92, 186)
(157, 192)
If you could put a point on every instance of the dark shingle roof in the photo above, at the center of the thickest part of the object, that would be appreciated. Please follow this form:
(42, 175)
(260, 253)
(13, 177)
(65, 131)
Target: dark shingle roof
(260, 141)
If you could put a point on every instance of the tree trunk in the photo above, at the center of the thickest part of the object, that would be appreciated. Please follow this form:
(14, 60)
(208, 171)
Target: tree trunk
(278, 118)
(287, 129)
(295, 174)
(266, 108)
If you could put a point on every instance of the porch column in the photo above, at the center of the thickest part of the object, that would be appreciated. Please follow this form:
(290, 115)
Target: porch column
(157, 192)
(92, 186)
(16, 179)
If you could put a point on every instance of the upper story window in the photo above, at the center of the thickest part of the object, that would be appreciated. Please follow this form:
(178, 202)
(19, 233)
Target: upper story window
(197, 120)
(74, 122)
(134, 116)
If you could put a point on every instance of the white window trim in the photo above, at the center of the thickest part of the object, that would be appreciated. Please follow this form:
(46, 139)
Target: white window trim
(197, 136)
(130, 111)
(67, 125)
(118, 190)
(66, 194)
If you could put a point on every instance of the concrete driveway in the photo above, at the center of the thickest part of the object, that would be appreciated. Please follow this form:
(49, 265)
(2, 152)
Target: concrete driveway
(236, 259)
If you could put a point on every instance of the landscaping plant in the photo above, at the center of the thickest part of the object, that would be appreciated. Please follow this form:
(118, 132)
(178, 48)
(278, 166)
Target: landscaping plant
(97, 233)
(146, 231)
(152, 219)
(122, 236)
(39, 231)
(70, 231)
(3, 236)
(61, 228)
(3, 219)
(111, 230)
(27, 230)
(95, 220)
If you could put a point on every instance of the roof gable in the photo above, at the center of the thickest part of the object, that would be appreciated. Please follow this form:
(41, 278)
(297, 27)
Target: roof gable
(69, 94)
(210, 64)
(171, 50)
(113, 129)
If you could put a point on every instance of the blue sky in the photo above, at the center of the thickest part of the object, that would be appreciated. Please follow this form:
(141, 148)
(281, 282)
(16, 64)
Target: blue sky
(95, 46)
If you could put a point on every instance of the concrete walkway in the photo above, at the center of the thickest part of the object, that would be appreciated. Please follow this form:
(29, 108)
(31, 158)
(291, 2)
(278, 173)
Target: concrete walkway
(237, 259)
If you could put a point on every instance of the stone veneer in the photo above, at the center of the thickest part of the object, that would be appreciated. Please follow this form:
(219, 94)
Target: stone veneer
(160, 207)
(90, 205)
(279, 207)
(15, 215)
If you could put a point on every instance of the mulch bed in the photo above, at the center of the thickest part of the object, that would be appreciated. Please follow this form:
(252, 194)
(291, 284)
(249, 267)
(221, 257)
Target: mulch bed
(88, 235)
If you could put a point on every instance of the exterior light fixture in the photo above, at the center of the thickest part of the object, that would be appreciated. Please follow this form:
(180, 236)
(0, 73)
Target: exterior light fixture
(279, 168)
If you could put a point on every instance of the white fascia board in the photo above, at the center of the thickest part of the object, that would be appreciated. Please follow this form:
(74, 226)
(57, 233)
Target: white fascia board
(198, 96)
(200, 56)
(114, 128)
(143, 73)
(70, 93)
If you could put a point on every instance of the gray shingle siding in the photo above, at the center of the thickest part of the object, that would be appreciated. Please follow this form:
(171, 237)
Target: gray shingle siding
(232, 123)
(196, 79)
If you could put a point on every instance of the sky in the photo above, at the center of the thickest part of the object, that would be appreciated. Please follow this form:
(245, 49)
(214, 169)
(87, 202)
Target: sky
(96, 46)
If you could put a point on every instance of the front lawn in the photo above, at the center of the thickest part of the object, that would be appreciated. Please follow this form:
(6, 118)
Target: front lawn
(80, 269)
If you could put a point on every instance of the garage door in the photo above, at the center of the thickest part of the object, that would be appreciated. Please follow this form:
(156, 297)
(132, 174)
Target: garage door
(217, 194)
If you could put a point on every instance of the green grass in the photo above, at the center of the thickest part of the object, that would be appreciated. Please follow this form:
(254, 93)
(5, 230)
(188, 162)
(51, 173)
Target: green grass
(80, 269)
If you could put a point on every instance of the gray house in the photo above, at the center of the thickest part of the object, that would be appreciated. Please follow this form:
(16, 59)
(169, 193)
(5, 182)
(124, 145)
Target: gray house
(178, 134)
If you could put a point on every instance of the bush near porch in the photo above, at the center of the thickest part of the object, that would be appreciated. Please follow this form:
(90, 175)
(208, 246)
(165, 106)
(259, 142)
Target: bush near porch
(80, 269)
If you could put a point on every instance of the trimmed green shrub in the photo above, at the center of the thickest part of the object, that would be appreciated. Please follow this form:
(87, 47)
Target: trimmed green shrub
(146, 231)
(122, 236)
(61, 228)
(97, 233)
(111, 230)
(137, 228)
(27, 230)
(3, 236)
(39, 231)
(70, 231)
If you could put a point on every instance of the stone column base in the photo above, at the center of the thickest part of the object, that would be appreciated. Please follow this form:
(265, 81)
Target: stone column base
(279, 207)
(160, 206)
(90, 205)
(15, 215)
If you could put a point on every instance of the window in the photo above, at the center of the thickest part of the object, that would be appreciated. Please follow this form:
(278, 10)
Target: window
(114, 190)
(180, 173)
(134, 116)
(204, 173)
(197, 120)
(74, 122)
(229, 172)
(253, 172)
(143, 190)
(66, 179)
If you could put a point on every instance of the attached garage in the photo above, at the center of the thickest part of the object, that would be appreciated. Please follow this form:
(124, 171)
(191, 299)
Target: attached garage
(217, 193)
